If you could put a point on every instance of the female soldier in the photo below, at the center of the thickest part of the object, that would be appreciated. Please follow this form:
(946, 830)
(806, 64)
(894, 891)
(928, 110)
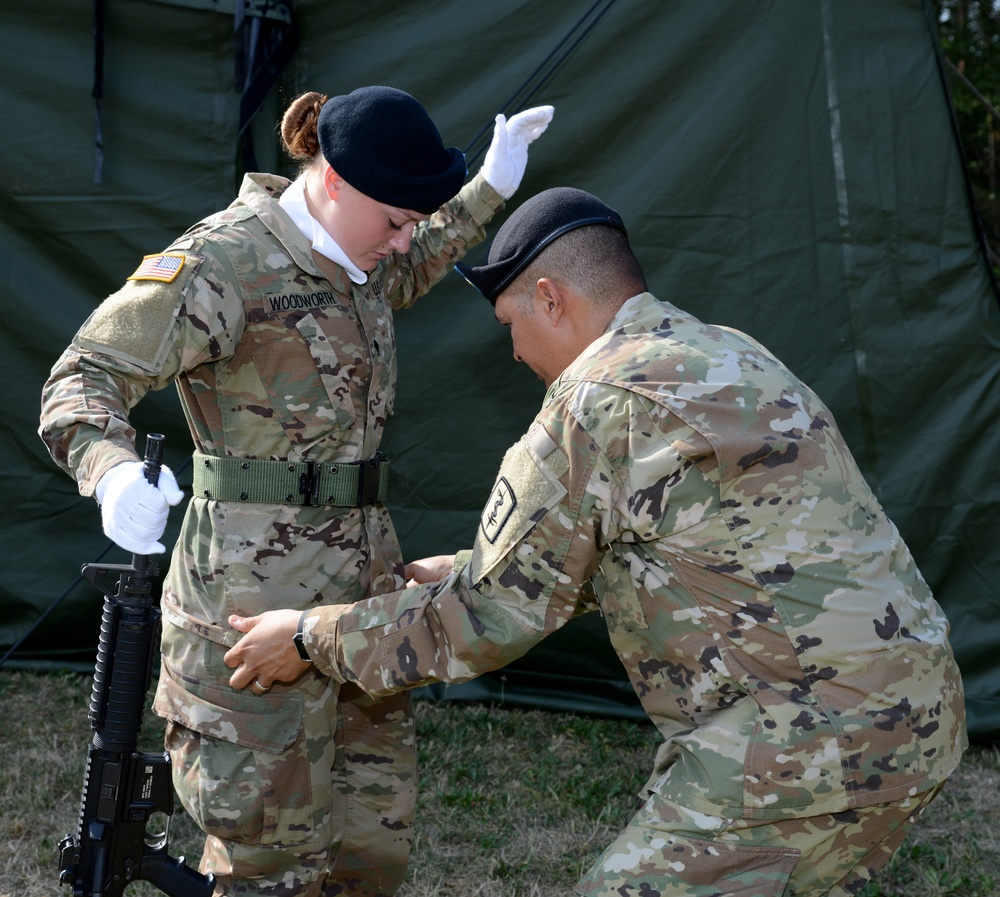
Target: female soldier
(274, 319)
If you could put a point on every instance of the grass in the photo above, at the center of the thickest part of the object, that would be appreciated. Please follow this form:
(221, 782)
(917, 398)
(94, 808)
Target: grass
(513, 803)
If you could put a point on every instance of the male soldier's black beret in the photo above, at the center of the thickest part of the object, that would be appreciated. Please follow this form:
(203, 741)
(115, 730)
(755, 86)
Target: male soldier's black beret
(540, 220)
(383, 143)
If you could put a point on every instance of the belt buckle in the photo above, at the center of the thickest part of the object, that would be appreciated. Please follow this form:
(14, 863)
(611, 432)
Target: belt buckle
(368, 479)
(309, 485)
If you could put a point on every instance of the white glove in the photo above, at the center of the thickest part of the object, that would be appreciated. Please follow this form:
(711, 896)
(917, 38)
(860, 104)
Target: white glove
(507, 156)
(133, 510)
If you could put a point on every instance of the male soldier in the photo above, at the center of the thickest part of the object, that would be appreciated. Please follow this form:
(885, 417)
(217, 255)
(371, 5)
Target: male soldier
(770, 617)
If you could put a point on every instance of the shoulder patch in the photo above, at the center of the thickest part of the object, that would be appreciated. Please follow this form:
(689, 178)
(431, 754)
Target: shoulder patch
(498, 509)
(137, 322)
(525, 492)
(164, 267)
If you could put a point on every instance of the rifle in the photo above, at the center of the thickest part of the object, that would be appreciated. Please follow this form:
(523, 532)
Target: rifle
(123, 788)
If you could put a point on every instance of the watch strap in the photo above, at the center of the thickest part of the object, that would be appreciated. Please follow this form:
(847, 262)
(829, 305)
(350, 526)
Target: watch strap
(299, 640)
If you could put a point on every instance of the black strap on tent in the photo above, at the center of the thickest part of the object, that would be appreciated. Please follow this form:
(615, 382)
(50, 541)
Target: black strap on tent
(522, 96)
(98, 89)
(265, 39)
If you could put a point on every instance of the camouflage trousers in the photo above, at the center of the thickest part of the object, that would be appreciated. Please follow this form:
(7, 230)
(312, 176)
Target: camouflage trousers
(331, 814)
(670, 851)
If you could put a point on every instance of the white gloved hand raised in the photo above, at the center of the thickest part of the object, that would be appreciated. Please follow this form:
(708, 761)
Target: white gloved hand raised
(507, 156)
(133, 510)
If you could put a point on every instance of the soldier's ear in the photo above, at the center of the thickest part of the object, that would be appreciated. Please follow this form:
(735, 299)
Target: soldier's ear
(550, 300)
(333, 182)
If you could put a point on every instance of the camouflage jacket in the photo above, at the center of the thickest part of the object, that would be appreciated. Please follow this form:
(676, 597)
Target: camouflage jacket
(277, 355)
(769, 616)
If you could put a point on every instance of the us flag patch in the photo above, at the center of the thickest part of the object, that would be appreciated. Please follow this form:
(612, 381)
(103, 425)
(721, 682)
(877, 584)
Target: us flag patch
(159, 267)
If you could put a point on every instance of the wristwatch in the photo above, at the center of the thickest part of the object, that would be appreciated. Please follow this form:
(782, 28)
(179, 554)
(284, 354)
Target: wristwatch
(297, 638)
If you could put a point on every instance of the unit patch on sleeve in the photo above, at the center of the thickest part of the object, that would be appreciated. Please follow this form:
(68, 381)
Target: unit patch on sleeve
(498, 509)
(163, 267)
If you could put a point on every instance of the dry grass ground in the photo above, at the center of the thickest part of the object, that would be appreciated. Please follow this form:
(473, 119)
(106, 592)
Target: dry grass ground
(512, 803)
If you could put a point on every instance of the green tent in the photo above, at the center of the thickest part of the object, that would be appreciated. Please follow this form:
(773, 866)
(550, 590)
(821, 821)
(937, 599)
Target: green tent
(787, 168)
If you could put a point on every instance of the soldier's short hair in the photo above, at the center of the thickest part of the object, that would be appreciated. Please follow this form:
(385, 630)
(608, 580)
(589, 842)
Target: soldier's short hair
(596, 260)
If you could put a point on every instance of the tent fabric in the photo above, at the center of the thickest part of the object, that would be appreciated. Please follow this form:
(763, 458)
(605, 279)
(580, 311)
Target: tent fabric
(784, 168)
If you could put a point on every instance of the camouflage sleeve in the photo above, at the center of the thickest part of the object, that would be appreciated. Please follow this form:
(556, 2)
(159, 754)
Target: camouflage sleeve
(441, 241)
(551, 512)
(140, 338)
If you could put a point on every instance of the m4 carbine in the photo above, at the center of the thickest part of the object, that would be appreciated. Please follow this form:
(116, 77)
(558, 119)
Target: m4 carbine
(125, 792)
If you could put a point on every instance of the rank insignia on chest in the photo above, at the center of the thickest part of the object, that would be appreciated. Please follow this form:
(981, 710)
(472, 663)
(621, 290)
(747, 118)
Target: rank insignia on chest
(376, 289)
(163, 267)
(498, 510)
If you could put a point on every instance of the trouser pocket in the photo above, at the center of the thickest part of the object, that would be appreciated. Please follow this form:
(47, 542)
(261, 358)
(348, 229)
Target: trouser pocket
(245, 767)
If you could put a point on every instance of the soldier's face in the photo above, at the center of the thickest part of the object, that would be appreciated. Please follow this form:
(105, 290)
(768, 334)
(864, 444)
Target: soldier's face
(531, 334)
(365, 229)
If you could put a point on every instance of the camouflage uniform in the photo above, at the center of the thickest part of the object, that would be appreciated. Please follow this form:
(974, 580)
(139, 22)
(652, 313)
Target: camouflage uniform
(770, 617)
(277, 355)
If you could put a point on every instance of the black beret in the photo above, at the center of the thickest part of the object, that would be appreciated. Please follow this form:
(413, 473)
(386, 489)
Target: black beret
(537, 223)
(383, 143)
